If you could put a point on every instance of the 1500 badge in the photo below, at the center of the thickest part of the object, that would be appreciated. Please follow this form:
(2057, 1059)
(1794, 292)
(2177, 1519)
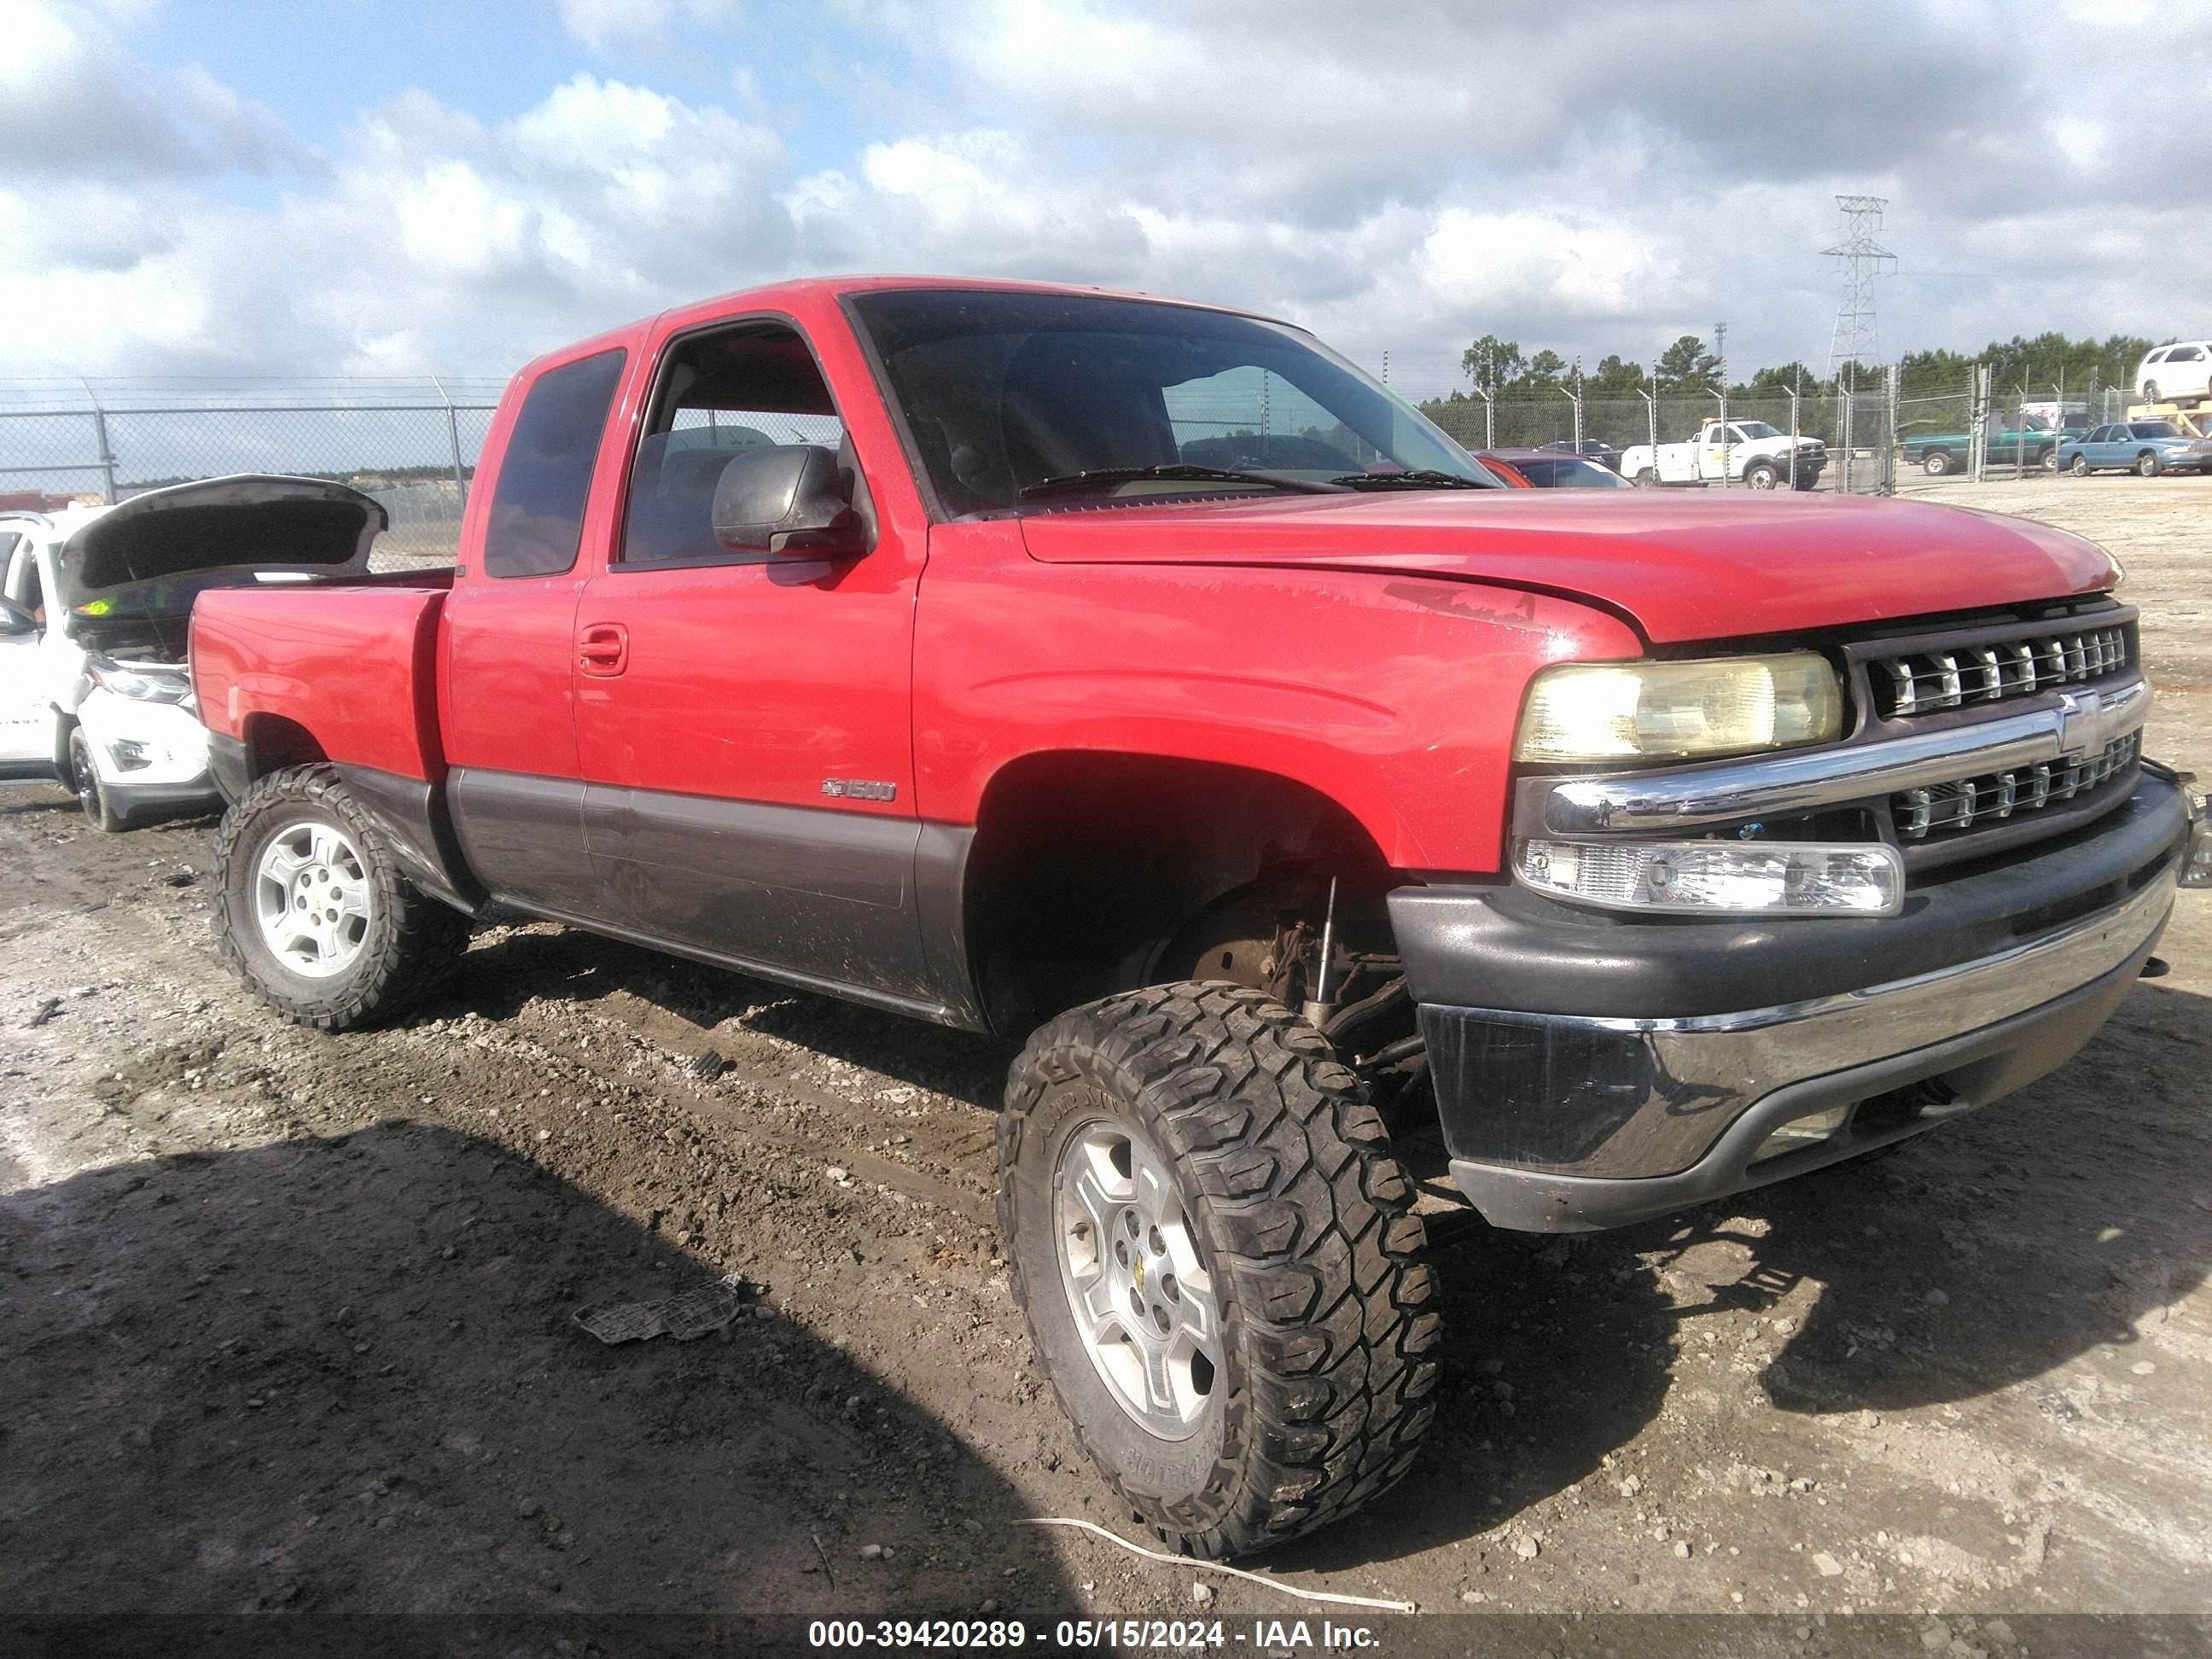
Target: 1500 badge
(859, 789)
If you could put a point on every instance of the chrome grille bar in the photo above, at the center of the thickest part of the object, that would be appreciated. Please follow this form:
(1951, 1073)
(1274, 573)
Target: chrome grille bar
(1918, 683)
(1960, 804)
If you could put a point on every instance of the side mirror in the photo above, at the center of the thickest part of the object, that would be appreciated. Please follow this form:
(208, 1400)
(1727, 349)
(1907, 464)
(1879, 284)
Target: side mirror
(787, 499)
(13, 619)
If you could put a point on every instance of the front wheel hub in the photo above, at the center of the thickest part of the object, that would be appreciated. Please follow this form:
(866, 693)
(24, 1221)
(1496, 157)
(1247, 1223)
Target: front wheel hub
(1143, 1303)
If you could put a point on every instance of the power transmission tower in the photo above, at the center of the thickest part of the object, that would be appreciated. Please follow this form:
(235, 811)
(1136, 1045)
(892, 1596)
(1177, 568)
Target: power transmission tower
(1864, 258)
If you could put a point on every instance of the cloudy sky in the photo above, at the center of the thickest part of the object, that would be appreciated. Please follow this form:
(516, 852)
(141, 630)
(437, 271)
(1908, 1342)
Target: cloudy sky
(394, 186)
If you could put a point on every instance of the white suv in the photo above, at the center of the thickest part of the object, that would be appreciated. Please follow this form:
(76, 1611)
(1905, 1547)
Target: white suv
(94, 604)
(2175, 371)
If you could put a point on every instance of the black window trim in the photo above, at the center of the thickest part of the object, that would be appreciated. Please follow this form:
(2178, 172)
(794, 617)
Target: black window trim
(619, 566)
(614, 399)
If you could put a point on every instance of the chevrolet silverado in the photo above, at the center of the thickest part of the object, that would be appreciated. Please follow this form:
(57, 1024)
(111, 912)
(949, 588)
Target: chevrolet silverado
(908, 641)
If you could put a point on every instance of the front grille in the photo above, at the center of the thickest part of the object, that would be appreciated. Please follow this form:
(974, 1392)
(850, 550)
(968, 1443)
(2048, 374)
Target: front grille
(1923, 682)
(1950, 808)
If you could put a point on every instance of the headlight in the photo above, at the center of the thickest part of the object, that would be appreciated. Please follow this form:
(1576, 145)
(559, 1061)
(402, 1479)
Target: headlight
(1629, 711)
(141, 685)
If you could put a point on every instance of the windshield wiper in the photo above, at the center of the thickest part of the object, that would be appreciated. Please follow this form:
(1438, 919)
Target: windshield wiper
(1422, 478)
(1106, 476)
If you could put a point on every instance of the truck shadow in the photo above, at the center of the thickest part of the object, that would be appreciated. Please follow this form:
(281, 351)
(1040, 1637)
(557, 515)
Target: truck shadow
(342, 1375)
(1984, 1257)
(498, 978)
(1995, 1251)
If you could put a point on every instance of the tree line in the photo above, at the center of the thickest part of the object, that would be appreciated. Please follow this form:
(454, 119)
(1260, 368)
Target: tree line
(2020, 367)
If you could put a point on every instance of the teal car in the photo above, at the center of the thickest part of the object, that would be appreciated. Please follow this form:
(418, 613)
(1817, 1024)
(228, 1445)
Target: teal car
(2148, 447)
(2031, 444)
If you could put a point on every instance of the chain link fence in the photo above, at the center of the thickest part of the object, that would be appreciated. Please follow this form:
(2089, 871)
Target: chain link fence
(412, 444)
(1884, 433)
(1983, 429)
(1858, 426)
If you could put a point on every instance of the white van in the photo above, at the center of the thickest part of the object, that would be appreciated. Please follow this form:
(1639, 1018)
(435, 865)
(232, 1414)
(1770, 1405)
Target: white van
(2175, 373)
(95, 603)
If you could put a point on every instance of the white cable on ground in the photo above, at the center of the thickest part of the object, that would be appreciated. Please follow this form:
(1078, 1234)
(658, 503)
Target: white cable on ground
(1216, 1566)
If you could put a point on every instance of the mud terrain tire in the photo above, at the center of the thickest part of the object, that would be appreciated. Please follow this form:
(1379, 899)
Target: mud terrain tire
(408, 946)
(1288, 1195)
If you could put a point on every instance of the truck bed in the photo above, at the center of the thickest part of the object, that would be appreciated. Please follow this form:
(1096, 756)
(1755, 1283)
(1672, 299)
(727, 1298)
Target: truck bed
(334, 660)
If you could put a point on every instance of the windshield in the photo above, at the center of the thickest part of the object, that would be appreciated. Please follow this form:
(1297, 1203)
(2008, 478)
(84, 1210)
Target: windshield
(1757, 429)
(2155, 429)
(1002, 392)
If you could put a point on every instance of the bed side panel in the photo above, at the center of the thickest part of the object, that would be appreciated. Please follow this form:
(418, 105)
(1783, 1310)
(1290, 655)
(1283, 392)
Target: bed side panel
(355, 668)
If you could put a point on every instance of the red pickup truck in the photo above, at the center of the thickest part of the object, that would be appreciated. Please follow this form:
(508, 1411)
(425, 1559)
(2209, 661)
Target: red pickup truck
(1143, 680)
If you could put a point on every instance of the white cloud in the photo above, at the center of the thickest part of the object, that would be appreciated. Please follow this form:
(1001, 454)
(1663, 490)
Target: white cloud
(453, 223)
(1513, 261)
(606, 28)
(74, 103)
(603, 25)
(1600, 179)
(592, 124)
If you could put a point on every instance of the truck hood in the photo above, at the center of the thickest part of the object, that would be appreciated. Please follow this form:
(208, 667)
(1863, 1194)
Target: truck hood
(1707, 565)
(201, 534)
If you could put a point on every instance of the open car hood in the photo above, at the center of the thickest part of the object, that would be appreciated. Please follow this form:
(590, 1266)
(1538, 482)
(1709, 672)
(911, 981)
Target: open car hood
(1703, 565)
(200, 534)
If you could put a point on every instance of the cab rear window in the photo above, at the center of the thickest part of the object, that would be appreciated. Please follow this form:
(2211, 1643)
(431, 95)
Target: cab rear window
(538, 506)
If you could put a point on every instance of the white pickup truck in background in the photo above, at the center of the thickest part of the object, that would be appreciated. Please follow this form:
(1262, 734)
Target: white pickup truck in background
(1749, 453)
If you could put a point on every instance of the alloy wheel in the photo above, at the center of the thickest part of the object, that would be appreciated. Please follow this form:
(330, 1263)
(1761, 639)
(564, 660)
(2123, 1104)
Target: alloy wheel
(311, 895)
(1144, 1303)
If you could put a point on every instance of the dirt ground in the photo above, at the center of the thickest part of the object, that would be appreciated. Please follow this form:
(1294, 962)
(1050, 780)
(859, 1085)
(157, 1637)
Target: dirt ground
(287, 1322)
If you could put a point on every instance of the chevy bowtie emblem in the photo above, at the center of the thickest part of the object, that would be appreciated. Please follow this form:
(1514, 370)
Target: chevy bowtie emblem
(2082, 723)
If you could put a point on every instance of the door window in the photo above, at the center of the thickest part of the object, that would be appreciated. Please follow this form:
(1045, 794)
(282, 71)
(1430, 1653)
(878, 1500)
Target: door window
(545, 474)
(2185, 355)
(717, 396)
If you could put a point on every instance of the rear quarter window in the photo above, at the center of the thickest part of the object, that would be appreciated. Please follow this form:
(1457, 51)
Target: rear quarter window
(546, 475)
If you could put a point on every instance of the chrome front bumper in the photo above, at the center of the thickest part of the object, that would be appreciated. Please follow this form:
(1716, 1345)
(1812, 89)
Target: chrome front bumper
(1721, 1086)
(1592, 1071)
